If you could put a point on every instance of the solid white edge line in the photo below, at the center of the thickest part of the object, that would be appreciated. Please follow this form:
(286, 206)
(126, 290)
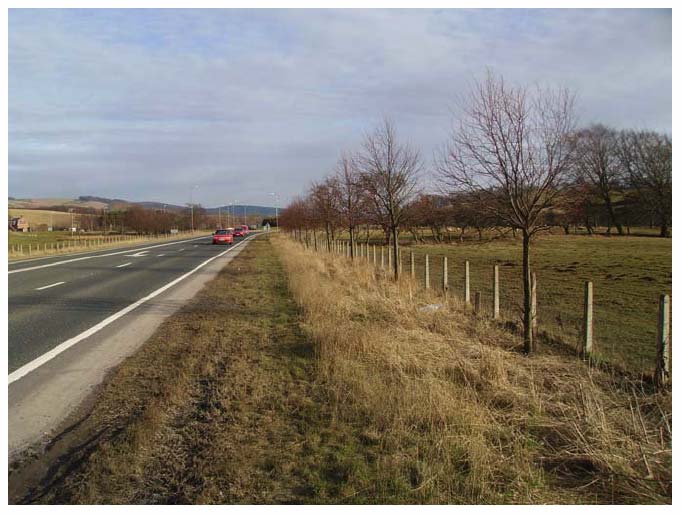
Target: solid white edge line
(48, 356)
(129, 250)
(51, 285)
(124, 265)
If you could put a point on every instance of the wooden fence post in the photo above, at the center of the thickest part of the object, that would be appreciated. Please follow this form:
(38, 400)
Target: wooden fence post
(478, 303)
(390, 258)
(413, 267)
(445, 281)
(663, 364)
(534, 304)
(427, 273)
(467, 282)
(495, 292)
(588, 328)
(374, 248)
(399, 262)
(382, 257)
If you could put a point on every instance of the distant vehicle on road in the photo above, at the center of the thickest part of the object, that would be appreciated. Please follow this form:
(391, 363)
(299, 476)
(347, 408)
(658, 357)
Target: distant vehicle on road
(223, 237)
(245, 229)
(253, 227)
(239, 232)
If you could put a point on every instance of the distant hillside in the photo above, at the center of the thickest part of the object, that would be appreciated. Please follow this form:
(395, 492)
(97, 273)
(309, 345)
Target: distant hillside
(51, 203)
(239, 210)
(98, 202)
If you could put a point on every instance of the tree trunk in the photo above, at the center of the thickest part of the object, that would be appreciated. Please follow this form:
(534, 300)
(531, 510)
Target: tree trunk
(352, 243)
(396, 261)
(613, 218)
(527, 295)
(664, 229)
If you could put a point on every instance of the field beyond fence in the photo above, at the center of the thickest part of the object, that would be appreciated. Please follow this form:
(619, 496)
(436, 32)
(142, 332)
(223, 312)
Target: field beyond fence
(628, 275)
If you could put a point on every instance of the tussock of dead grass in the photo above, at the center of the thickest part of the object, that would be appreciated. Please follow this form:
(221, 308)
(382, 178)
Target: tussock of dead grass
(459, 414)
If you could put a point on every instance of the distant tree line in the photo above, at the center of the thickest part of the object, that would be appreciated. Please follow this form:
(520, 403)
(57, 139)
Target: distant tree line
(515, 161)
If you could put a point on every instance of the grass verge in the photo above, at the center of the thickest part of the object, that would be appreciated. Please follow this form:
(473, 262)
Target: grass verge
(458, 415)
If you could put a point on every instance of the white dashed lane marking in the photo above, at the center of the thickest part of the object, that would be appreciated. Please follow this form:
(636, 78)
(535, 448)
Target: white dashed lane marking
(51, 285)
(124, 265)
(51, 354)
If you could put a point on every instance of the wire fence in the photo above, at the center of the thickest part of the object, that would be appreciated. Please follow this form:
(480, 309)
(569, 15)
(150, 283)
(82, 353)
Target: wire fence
(626, 328)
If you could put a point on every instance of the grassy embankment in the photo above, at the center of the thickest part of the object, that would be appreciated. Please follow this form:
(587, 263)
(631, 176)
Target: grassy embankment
(628, 275)
(295, 377)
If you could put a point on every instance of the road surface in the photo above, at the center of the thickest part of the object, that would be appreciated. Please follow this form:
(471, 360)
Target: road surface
(72, 318)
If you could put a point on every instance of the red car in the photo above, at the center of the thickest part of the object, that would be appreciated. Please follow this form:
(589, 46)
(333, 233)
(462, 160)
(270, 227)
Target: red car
(223, 237)
(245, 229)
(239, 232)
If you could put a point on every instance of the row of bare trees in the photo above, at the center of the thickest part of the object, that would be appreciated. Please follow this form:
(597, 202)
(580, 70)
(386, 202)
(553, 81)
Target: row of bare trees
(514, 160)
(612, 165)
(143, 220)
(373, 187)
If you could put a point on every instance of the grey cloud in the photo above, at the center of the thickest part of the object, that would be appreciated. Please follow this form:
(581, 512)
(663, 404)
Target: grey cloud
(144, 104)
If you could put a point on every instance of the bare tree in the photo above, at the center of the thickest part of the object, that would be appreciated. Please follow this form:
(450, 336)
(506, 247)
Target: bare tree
(511, 150)
(325, 205)
(647, 158)
(389, 175)
(351, 197)
(597, 165)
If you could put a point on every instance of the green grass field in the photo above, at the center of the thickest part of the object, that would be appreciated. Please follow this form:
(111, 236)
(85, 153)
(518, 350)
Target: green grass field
(628, 275)
(37, 217)
(25, 238)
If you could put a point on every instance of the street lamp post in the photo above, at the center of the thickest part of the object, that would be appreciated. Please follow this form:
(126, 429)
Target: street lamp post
(191, 197)
(276, 208)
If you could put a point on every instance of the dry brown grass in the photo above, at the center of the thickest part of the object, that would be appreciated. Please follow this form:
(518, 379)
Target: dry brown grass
(457, 414)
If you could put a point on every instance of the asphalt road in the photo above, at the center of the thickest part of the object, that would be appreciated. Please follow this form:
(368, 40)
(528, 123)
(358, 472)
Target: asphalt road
(54, 299)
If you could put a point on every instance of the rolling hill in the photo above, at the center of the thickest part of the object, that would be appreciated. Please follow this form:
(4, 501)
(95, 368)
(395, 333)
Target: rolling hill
(97, 202)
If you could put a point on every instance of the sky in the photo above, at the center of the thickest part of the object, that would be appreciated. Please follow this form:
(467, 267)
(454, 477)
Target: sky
(147, 104)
